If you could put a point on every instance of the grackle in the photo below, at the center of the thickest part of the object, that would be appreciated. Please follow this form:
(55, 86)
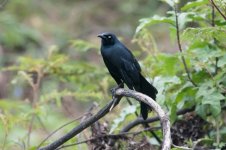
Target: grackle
(124, 68)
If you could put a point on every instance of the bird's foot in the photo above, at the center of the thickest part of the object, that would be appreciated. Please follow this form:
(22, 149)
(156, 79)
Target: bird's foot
(114, 89)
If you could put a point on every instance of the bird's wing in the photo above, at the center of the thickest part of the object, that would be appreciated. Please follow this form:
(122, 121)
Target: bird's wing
(130, 73)
(135, 62)
(115, 73)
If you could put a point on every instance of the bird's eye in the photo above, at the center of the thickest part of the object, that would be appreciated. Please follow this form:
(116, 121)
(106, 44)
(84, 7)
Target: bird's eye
(109, 36)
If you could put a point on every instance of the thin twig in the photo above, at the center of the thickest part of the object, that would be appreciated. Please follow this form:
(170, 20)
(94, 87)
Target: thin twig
(78, 118)
(145, 125)
(30, 129)
(153, 119)
(218, 9)
(156, 118)
(213, 25)
(180, 48)
(118, 94)
(213, 15)
(89, 114)
(42, 124)
(216, 67)
(196, 143)
(115, 136)
(80, 127)
(181, 147)
(43, 141)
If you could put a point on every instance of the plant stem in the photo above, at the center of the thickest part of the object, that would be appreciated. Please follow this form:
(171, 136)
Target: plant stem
(180, 48)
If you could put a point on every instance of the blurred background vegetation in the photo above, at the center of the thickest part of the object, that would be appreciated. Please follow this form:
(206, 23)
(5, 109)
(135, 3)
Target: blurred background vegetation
(52, 71)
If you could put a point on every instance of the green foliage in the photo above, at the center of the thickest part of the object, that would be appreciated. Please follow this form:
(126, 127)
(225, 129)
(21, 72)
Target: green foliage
(66, 72)
(204, 33)
(83, 45)
(15, 35)
(83, 82)
(145, 22)
(204, 54)
(194, 4)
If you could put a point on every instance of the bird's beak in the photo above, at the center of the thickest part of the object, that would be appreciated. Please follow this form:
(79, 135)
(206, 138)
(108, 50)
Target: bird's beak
(101, 36)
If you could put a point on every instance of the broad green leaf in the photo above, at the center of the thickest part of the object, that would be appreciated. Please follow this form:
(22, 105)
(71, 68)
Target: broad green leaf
(145, 22)
(194, 4)
(211, 97)
(201, 110)
(215, 108)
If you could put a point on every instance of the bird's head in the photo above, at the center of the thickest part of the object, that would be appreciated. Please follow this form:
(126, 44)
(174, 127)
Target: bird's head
(108, 39)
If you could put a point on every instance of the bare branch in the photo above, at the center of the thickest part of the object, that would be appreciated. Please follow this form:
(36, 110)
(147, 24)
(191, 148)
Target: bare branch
(118, 94)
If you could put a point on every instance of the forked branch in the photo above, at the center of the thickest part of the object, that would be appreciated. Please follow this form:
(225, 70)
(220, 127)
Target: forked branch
(118, 94)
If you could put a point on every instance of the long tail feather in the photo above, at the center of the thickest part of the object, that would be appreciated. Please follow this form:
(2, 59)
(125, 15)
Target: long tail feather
(151, 91)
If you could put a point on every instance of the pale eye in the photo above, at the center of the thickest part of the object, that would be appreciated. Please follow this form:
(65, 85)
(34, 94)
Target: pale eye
(109, 37)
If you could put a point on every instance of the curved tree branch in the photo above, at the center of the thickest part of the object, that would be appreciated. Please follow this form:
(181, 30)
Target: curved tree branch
(118, 94)
(166, 144)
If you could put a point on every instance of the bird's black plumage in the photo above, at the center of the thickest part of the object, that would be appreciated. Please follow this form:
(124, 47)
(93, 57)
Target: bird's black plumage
(124, 68)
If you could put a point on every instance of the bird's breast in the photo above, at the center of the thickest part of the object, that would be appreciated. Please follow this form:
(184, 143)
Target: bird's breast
(112, 55)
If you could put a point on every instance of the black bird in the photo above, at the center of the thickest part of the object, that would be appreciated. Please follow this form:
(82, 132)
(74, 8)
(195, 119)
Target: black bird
(124, 68)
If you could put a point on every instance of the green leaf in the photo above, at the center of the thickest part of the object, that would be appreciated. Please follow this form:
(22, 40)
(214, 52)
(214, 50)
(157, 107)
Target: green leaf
(145, 22)
(194, 4)
(169, 64)
(209, 97)
(204, 33)
(215, 108)
(222, 61)
(201, 110)
(185, 17)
